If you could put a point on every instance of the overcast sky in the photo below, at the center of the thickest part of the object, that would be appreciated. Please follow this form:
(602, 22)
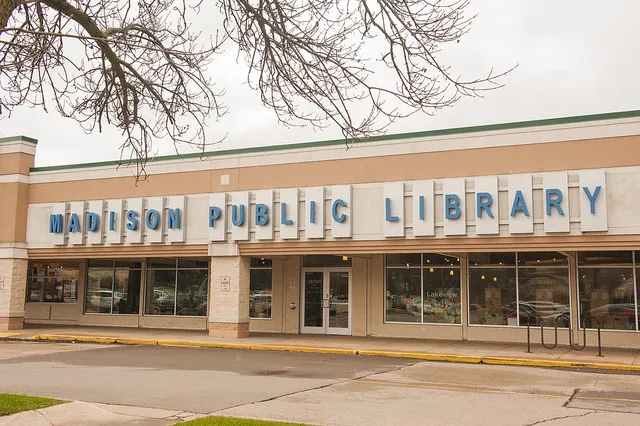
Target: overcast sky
(575, 57)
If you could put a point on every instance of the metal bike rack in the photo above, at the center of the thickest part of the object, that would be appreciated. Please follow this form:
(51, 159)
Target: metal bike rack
(563, 317)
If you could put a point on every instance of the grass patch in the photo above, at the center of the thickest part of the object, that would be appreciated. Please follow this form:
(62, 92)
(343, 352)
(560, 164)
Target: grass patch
(231, 421)
(11, 403)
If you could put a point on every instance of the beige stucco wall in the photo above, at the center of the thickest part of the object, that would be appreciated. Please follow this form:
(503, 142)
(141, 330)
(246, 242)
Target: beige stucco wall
(14, 272)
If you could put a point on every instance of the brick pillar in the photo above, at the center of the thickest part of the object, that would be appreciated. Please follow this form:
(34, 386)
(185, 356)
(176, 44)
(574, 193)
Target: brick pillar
(16, 158)
(229, 303)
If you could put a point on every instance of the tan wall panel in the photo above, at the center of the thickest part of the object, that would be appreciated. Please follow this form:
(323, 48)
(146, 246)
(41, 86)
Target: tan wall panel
(37, 311)
(64, 311)
(200, 182)
(16, 163)
(273, 325)
(450, 244)
(173, 322)
(583, 154)
(13, 217)
(109, 320)
(120, 252)
(292, 279)
(358, 297)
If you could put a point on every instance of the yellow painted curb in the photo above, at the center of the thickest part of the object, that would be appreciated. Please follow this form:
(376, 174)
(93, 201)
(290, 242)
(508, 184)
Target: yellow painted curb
(73, 338)
(426, 357)
(304, 349)
(524, 362)
(9, 334)
(130, 341)
(557, 363)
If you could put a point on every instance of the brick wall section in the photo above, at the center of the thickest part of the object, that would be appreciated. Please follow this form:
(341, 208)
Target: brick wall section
(12, 296)
(229, 310)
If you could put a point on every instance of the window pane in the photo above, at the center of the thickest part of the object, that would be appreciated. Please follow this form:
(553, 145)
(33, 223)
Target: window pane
(442, 295)
(434, 259)
(193, 263)
(405, 260)
(37, 274)
(492, 259)
(543, 292)
(320, 261)
(126, 298)
(492, 296)
(403, 295)
(161, 286)
(260, 293)
(126, 264)
(607, 294)
(261, 262)
(534, 259)
(605, 258)
(53, 281)
(100, 263)
(193, 288)
(162, 263)
(99, 291)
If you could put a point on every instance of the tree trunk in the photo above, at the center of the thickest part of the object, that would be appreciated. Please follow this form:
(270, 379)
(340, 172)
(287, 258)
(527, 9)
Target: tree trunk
(6, 9)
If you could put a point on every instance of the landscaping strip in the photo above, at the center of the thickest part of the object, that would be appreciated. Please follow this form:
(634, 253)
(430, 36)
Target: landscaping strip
(12, 403)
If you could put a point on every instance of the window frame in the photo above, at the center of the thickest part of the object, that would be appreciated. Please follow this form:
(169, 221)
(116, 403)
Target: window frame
(518, 267)
(113, 269)
(422, 268)
(176, 268)
(634, 268)
(46, 263)
(262, 268)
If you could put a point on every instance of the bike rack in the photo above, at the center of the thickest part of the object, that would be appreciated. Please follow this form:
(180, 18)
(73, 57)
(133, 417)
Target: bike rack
(563, 317)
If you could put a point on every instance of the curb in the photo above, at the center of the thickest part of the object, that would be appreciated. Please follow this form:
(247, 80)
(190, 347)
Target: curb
(460, 359)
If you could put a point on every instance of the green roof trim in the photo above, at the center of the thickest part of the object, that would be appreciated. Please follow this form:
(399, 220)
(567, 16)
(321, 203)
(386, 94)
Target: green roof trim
(396, 136)
(19, 139)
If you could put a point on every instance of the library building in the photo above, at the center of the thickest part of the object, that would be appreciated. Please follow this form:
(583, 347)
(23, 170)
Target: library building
(459, 234)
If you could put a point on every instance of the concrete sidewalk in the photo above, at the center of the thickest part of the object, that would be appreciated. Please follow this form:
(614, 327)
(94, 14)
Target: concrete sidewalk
(432, 350)
(78, 413)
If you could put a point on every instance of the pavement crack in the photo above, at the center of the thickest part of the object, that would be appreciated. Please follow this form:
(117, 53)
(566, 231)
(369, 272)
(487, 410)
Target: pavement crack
(568, 401)
(539, 422)
(299, 392)
(44, 416)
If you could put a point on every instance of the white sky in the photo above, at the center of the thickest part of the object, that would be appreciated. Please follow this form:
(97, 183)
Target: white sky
(575, 57)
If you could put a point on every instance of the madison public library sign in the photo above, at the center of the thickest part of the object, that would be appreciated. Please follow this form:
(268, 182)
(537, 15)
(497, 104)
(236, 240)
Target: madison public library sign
(461, 206)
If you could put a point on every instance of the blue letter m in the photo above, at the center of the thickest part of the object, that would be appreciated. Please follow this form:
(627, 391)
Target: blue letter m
(55, 223)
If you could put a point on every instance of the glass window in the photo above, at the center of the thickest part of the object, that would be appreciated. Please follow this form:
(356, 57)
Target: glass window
(404, 260)
(161, 292)
(113, 287)
(492, 259)
(607, 294)
(261, 262)
(260, 283)
(193, 289)
(404, 295)
(441, 295)
(492, 296)
(161, 263)
(536, 259)
(434, 259)
(321, 261)
(53, 281)
(600, 258)
(99, 290)
(126, 295)
(543, 292)
(177, 287)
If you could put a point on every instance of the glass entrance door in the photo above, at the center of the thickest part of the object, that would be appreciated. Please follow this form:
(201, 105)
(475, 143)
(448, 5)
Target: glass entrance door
(326, 301)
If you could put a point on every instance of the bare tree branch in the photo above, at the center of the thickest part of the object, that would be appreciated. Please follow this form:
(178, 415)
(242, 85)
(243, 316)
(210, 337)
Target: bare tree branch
(140, 66)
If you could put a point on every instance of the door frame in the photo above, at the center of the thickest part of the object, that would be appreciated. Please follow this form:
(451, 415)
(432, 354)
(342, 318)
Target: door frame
(325, 329)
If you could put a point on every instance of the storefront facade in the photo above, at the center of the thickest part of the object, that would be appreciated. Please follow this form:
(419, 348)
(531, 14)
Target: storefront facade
(464, 234)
